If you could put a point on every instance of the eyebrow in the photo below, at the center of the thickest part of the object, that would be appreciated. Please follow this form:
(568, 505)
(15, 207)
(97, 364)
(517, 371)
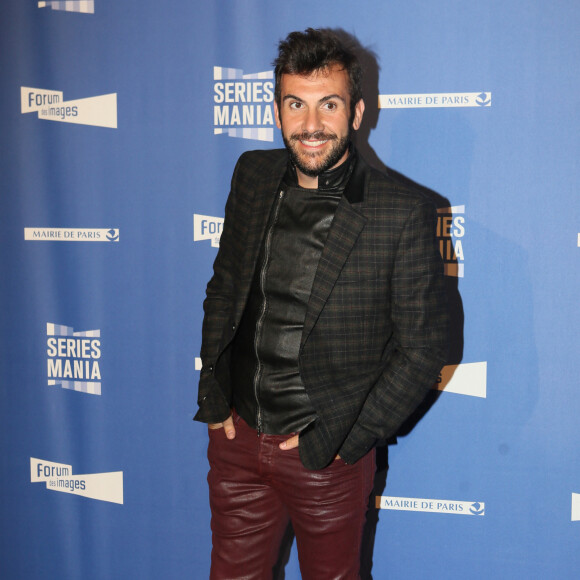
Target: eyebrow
(323, 100)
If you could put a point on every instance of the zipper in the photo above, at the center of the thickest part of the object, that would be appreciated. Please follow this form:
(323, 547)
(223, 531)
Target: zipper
(260, 323)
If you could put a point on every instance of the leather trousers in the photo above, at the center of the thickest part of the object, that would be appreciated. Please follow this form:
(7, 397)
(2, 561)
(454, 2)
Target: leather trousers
(256, 488)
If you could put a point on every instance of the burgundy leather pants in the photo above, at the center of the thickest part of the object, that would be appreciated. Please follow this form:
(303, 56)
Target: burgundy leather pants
(255, 488)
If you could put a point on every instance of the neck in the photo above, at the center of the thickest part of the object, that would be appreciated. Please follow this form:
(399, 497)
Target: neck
(306, 181)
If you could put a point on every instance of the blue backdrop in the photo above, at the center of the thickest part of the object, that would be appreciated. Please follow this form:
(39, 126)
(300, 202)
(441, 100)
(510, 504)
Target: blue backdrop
(121, 124)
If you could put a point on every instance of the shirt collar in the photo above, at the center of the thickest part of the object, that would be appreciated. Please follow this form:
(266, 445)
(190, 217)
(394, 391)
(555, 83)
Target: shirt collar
(332, 179)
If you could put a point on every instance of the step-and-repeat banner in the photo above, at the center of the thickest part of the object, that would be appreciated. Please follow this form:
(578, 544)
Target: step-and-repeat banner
(121, 122)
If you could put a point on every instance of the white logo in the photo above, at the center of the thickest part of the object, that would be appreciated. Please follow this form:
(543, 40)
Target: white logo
(576, 507)
(206, 227)
(98, 111)
(450, 231)
(73, 359)
(198, 364)
(439, 506)
(71, 235)
(465, 379)
(243, 104)
(85, 6)
(59, 477)
(430, 100)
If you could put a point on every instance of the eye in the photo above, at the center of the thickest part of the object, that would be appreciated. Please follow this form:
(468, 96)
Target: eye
(296, 105)
(330, 106)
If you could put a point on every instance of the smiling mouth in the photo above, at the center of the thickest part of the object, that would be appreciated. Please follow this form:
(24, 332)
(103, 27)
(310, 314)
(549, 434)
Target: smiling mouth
(314, 139)
(313, 143)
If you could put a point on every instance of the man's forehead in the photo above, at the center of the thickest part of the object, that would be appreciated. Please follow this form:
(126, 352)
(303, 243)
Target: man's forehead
(334, 75)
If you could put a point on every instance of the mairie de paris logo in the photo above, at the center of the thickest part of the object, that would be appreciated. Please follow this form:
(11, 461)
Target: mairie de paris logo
(71, 234)
(428, 505)
(434, 100)
(243, 104)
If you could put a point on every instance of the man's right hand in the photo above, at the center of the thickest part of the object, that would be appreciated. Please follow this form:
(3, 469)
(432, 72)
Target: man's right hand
(227, 425)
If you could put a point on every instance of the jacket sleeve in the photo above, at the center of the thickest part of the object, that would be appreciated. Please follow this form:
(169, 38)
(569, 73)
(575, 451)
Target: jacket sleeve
(214, 406)
(420, 323)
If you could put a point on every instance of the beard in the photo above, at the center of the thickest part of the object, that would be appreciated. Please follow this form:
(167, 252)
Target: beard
(315, 163)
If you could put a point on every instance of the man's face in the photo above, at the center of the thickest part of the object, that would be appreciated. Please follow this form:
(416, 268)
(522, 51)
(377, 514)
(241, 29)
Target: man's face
(314, 117)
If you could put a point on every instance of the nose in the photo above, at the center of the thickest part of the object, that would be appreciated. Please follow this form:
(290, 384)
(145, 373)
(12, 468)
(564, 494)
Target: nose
(313, 121)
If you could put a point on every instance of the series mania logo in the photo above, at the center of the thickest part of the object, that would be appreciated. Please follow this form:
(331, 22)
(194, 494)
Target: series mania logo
(450, 232)
(243, 104)
(84, 6)
(73, 358)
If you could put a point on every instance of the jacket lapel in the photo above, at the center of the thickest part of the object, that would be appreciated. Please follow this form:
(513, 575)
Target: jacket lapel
(346, 227)
(344, 231)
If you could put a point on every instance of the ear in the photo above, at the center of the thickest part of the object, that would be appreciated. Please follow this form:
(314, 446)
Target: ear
(359, 110)
(277, 116)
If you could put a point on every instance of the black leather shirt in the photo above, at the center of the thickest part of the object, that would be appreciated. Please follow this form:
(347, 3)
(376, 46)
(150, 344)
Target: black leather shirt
(267, 388)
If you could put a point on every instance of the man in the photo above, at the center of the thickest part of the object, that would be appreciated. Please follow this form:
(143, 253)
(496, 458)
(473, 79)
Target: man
(325, 325)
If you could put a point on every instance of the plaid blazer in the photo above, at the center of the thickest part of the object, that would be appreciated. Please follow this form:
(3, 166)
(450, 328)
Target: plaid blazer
(376, 329)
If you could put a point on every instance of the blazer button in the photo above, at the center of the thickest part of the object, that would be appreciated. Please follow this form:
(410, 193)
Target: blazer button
(233, 327)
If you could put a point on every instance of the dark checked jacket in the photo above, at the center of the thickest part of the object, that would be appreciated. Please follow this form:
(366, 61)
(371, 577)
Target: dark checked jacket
(376, 328)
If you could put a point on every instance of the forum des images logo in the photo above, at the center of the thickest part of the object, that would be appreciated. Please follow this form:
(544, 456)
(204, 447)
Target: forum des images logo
(59, 477)
(99, 111)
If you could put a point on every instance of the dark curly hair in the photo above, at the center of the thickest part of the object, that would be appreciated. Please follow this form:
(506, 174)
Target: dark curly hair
(302, 53)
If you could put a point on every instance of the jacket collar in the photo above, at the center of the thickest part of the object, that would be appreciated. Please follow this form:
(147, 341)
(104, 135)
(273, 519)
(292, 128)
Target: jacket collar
(357, 184)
